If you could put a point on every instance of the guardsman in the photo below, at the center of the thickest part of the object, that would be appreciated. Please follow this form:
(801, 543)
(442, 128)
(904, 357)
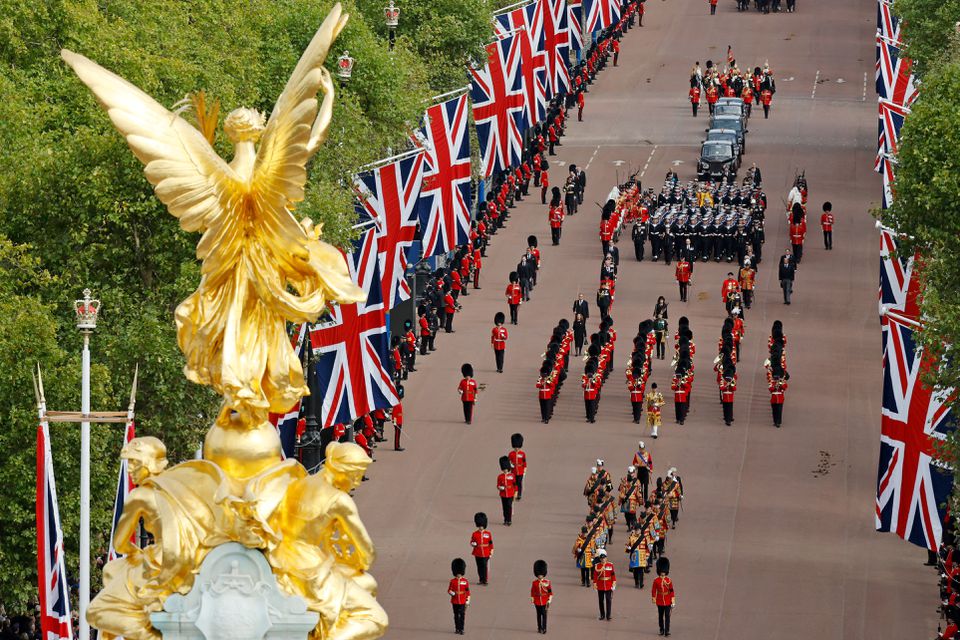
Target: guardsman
(826, 223)
(654, 405)
(643, 461)
(541, 594)
(449, 308)
(777, 377)
(605, 580)
(456, 283)
(663, 595)
(766, 97)
(747, 96)
(514, 295)
(713, 94)
(683, 272)
(636, 380)
(424, 323)
(498, 338)
(546, 387)
(535, 253)
(748, 281)
(466, 268)
(616, 51)
(477, 264)
(695, 99)
(544, 185)
(728, 387)
(591, 388)
(518, 458)
(727, 289)
(396, 416)
(553, 138)
(607, 227)
(555, 216)
(459, 590)
(681, 394)
(410, 341)
(739, 329)
(507, 488)
(482, 542)
(468, 392)
(537, 167)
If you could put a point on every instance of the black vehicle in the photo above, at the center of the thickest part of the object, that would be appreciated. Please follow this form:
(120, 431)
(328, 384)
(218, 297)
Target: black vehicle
(718, 161)
(731, 122)
(727, 135)
(730, 110)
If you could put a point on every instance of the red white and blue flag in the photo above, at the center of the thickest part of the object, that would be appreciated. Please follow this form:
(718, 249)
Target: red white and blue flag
(888, 24)
(526, 24)
(445, 197)
(575, 23)
(351, 347)
(556, 45)
(390, 196)
(895, 81)
(898, 285)
(124, 487)
(601, 14)
(890, 117)
(912, 486)
(51, 568)
(498, 103)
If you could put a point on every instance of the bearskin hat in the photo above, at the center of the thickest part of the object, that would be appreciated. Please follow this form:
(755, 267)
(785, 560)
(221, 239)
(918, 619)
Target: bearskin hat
(564, 325)
(458, 567)
(480, 519)
(531, 241)
(684, 321)
(516, 440)
(499, 318)
(593, 350)
(505, 463)
(467, 370)
(590, 368)
(394, 341)
(545, 369)
(663, 565)
(514, 276)
(540, 568)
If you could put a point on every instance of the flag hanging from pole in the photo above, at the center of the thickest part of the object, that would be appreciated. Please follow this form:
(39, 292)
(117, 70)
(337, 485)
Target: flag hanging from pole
(601, 14)
(124, 487)
(51, 568)
(498, 102)
(556, 45)
(575, 20)
(898, 284)
(526, 24)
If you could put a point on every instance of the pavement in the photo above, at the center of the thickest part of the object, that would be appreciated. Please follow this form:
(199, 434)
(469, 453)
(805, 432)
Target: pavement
(776, 539)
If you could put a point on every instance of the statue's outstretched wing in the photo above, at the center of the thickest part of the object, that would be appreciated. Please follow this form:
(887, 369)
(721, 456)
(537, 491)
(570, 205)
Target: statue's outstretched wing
(187, 174)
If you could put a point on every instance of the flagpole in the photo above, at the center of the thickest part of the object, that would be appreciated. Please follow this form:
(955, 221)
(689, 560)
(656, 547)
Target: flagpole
(399, 156)
(448, 94)
(513, 6)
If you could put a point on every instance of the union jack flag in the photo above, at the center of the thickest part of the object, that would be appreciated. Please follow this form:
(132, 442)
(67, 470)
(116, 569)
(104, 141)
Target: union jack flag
(124, 487)
(895, 81)
(352, 346)
(575, 19)
(888, 24)
(390, 195)
(601, 14)
(498, 103)
(556, 44)
(911, 489)
(51, 569)
(890, 119)
(526, 25)
(898, 286)
(286, 423)
(445, 197)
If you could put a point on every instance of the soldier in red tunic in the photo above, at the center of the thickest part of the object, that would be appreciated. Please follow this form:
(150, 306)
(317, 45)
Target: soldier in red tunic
(507, 488)
(482, 542)
(514, 295)
(777, 377)
(663, 595)
(683, 273)
(556, 216)
(518, 458)
(498, 338)
(468, 392)
(459, 591)
(713, 94)
(826, 223)
(541, 594)
(396, 415)
(695, 99)
(766, 97)
(605, 580)
(580, 102)
(544, 185)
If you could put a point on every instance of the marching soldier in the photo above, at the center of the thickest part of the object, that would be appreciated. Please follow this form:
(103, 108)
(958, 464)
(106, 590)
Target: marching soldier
(826, 223)
(459, 590)
(674, 495)
(663, 595)
(654, 404)
(695, 99)
(482, 542)
(748, 280)
(591, 387)
(541, 594)
(498, 338)
(518, 458)
(507, 488)
(639, 235)
(766, 97)
(683, 272)
(514, 294)
(638, 548)
(555, 216)
(730, 286)
(630, 500)
(605, 580)
(468, 392)
(777, 382)
(728, 386)
(635, 384)
(643, 462)
(546, 387)
(681, 394)
(583, 554)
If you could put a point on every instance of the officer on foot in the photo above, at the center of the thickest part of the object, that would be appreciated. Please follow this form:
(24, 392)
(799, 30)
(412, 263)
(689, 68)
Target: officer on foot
(459, 590)
(541, 594)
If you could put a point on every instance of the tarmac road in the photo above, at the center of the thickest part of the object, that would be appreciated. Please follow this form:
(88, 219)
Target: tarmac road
(776, 539)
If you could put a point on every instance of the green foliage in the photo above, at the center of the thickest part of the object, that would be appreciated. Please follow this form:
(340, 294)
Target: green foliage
(76, 211)
(927, 29)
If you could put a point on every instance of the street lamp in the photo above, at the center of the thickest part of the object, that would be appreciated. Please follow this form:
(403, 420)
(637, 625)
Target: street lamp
(344, 67)
(391, 16)
(312, 447)
(87, 310)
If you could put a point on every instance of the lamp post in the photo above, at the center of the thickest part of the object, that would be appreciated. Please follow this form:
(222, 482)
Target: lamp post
(87, 311)
(312, 447)
(344, 67)
(391, 16)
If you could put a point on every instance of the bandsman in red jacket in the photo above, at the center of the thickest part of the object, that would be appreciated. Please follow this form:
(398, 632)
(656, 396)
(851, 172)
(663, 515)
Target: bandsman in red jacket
(591, 388)
(727, 371)
(482, 542)
(713, 94)
(747, 96)
(766, 97)
(468, 392)
(695, 99)
(663, 595)
(459, 591)
(546, 386)
(518, 458)
(507, 488)
(826, 223)
(777, 377)
(636, 385)
(541, 594)
(514, 295)
(683, 272)
(605, 581)
(498, 338)
(556, 216)
(681, 395)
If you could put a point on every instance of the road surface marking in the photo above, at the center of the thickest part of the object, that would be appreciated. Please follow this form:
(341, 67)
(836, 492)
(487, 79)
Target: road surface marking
(591, 158)
(816, 81)
(649, 158)
(864, 98)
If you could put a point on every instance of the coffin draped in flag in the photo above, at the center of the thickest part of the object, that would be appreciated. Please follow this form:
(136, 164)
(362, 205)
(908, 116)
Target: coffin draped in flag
(575, 24)
(895, 81)
(600, 14)
(899, 285)
(556, 45)
(526, 24)
(890, 117)
(351, 347)
(911, 486)
(124, 487)
(445, 197)
(286, 423)
(390, 196)
(51, 568)
(496, 90)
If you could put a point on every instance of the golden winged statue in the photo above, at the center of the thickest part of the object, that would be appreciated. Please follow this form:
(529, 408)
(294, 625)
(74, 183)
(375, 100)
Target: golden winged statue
(261, 267)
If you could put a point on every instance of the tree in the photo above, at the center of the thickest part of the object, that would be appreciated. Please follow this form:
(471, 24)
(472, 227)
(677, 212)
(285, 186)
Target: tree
(927, 27)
